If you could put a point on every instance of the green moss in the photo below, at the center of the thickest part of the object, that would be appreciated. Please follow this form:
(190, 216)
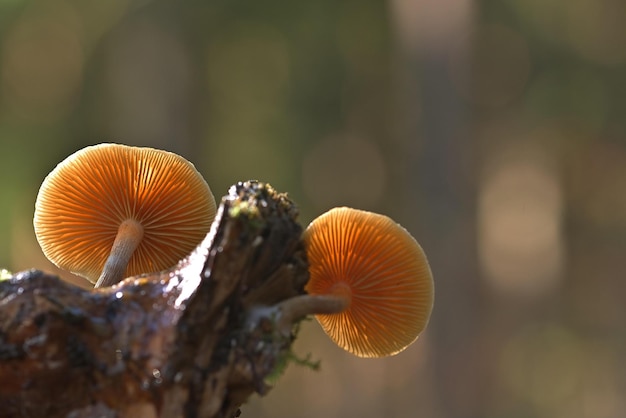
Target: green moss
(290, 358)
(5, 274)
(244, 208)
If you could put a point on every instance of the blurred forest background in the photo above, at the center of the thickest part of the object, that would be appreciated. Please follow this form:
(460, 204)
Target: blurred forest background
(494, 131)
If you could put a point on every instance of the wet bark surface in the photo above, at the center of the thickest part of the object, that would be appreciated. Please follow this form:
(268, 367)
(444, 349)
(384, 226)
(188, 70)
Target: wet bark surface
(194, 341)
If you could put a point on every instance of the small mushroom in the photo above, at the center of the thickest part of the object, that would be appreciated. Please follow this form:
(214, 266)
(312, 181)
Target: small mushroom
(370, 284)
(111, 211)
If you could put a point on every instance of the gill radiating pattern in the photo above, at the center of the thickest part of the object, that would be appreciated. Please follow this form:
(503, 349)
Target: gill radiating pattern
(389, 281)
(160, 190)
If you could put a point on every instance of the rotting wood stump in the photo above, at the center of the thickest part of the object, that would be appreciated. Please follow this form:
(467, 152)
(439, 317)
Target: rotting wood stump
(193, 341)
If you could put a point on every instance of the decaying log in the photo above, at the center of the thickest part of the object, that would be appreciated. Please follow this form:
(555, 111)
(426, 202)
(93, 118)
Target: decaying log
(195, 341)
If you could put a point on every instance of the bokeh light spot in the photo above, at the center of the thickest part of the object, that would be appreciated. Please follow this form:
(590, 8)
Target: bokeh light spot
(519, 226)
(429, 24)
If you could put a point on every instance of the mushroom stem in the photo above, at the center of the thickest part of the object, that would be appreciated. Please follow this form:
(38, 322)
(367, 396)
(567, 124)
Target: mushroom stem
(300, 306)
(129, 235)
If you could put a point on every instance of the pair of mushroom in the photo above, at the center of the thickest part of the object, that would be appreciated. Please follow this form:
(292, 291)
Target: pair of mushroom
(111, 211)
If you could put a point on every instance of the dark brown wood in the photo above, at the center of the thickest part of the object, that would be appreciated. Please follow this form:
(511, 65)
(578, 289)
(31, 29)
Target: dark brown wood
(195, 341)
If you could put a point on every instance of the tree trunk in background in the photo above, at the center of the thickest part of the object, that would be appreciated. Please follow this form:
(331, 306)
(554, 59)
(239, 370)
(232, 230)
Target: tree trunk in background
(433, 43)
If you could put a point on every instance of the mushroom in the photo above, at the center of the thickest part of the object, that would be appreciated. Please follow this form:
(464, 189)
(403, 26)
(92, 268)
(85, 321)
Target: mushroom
(370, 284)
(111, 211)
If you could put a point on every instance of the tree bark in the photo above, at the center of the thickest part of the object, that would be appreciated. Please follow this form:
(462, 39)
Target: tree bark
(194, 341)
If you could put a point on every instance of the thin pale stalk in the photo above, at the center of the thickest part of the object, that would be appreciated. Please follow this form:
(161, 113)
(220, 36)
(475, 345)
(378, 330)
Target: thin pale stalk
(129, 235)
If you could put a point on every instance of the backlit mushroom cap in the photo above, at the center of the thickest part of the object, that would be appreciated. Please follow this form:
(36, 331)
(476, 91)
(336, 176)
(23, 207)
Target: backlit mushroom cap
(380, 269)
(104, 189)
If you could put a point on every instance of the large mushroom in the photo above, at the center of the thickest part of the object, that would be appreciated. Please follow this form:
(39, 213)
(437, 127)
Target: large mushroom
(370, 284)
(111, 211)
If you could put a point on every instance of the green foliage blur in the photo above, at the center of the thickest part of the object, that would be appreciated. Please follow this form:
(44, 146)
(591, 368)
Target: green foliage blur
(494, 131)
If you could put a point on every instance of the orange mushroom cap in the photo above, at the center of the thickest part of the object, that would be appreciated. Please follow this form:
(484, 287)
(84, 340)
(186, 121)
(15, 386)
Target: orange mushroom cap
(108, 190)
(382, 273)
